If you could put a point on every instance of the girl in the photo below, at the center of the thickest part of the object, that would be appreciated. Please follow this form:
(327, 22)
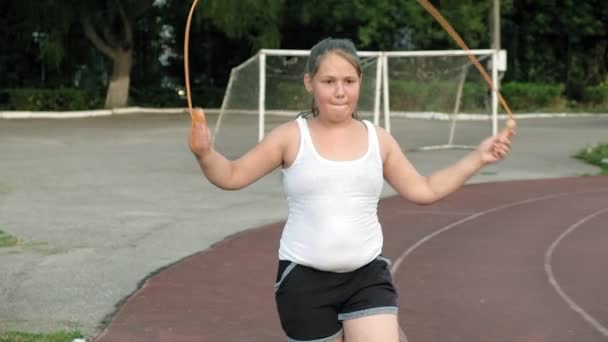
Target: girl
(333, 283)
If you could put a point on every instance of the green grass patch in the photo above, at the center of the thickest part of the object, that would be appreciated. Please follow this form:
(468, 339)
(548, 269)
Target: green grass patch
(596, 155)
(61, 336)
(7, 240)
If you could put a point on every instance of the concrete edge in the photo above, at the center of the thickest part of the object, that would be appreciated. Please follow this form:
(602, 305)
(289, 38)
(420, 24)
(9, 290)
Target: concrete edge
(149, 110)
(92, 113)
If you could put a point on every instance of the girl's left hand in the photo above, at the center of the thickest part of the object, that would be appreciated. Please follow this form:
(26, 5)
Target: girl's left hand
(494, 149)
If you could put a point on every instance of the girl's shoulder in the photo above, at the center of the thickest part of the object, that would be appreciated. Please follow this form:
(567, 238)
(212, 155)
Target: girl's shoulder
(386, 141)
(286, 133)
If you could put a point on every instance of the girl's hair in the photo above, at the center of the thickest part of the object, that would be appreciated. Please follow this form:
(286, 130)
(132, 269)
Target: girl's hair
(341, 47)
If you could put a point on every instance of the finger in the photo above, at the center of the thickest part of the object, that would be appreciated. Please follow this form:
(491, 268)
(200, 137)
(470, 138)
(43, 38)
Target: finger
(497, 154)
(501, 149)
(506, 133)
(499, 144)
(505, 142)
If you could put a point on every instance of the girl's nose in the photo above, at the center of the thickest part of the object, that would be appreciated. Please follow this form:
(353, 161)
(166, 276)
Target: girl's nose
(339, 89)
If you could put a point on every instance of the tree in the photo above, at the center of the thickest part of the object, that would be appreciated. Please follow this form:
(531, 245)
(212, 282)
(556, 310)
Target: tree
(257, 20)
(405, 25)
(108, 24)
(547, 46)
(35, 34)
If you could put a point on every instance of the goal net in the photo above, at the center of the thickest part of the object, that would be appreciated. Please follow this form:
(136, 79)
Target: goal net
(406, 87)
(443, 86)
(268, 89)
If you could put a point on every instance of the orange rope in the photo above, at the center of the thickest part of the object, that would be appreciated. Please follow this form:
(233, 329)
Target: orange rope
(424, 3)
(186, 68)
(446, 26)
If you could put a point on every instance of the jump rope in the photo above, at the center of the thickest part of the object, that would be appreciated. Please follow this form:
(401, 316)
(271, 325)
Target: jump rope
(510, 124)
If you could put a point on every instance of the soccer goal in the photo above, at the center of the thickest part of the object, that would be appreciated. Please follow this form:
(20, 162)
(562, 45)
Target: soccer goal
(409, 87)
(443, 86)
(271, 83)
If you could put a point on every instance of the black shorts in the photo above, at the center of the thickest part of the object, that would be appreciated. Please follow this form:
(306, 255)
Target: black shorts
(312, 304)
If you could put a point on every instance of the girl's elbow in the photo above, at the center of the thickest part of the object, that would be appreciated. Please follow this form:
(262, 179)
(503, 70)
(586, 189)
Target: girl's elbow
(226, 184)
(426, 198)
(230, 186)
(227, 187)
(423, 201)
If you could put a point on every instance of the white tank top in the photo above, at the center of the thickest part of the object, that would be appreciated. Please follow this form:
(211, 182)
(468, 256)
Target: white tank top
(332, 224)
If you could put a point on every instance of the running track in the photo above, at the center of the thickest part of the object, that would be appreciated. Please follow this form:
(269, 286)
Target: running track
(520, 261)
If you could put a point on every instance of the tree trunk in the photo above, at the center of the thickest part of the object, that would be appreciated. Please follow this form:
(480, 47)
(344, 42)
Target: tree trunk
(118, 88)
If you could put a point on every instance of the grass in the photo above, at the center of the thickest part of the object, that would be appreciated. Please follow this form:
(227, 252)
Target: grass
(60, 336)
(17, 336)
(596, 155)
(7, 240)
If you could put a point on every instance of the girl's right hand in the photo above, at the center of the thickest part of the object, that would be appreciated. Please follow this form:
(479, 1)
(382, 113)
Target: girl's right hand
(200, 135)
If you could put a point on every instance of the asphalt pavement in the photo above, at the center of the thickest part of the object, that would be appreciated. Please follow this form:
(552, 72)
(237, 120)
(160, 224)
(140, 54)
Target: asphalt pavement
(101, 203)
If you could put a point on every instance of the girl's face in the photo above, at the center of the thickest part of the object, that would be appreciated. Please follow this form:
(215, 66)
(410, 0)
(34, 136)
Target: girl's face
(335, 87)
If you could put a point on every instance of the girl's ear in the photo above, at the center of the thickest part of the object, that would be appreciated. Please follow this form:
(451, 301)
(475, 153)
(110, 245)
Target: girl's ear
(308, 83)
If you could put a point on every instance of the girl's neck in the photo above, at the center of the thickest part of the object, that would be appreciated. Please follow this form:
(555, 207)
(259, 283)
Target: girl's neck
(328, 123)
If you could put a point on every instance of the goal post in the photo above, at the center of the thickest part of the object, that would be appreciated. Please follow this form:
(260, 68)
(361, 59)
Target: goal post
(398, 84)
(440, 84)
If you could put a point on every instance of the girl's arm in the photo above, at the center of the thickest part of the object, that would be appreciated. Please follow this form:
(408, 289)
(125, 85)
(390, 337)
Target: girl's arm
(404, 178)
(233, 175)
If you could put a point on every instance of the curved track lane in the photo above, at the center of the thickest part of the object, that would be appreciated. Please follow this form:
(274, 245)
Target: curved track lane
(470, 268)
(482, 278)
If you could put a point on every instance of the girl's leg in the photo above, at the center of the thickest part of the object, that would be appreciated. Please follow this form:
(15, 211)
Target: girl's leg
(374, 328)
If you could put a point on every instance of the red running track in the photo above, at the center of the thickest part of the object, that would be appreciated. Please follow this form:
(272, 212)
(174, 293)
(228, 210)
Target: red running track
(519, 261)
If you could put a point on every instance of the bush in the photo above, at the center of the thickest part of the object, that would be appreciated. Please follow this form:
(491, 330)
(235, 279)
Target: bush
(533, 96)
(65, 99)
(207, 97)
(49, 99)
(405, 95)
(287, 95)
(437, 96)
(597, 95)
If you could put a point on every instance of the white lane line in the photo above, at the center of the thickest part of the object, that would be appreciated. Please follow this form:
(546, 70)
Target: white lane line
(436, 212)
(551, 277)
(430, 236)
(402, 337)
(407, 252)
